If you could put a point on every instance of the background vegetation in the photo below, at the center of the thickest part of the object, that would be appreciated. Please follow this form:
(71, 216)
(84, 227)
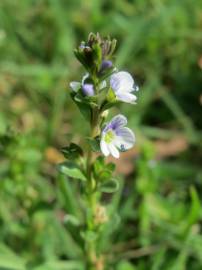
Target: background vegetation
(159, 200)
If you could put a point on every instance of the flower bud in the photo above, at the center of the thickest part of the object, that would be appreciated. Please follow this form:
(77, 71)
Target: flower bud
(83, 46)
(88, 89)
(105, 65)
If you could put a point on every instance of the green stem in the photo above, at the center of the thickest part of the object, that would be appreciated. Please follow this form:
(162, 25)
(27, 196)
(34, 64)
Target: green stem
(90, 247)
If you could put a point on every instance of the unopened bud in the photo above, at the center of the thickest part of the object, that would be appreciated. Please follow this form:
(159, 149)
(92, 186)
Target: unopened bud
(88, 89)
(105, 65)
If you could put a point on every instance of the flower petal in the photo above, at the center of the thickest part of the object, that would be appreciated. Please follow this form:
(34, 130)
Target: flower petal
(113, 150)
(116, 122)
(104, 148)
(125, 138)
(75, 86)
(105, 65)
(88, 89)
(122, 82)
(126, 97)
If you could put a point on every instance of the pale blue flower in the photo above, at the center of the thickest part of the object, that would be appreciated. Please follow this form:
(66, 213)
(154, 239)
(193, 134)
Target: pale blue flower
(116, 137)
(122, 84)
(87, 88)
(106, 64)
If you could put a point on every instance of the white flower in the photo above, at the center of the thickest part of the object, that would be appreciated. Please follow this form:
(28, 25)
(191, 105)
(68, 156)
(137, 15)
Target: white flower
(123, 84)
(115, 136)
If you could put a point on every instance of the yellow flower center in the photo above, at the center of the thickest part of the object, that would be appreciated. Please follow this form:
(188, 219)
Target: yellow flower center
(109, 136)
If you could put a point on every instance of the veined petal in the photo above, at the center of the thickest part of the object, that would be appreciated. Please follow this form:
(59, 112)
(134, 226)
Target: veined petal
(125, 138)
(113, 150)
(75, 86)
(115, 82)
(126, 97)
(104, 148)
(122, 82)
(116, 122)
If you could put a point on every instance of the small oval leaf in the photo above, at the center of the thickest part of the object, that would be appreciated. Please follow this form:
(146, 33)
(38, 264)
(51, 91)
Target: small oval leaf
(71, 169)
(94, 144)
(110, 186)
(72, 151)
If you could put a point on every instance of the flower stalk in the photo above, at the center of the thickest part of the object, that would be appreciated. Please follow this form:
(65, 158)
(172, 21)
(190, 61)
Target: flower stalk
(101, 88)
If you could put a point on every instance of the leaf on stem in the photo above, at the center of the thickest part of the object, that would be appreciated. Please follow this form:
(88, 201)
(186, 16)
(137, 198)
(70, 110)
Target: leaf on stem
(103, 171)
(73, 151)
(94, 144)
(72, 170)
(110, 186)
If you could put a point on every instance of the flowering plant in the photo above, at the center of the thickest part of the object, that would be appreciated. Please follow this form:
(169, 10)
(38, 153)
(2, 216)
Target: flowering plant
(101, 88)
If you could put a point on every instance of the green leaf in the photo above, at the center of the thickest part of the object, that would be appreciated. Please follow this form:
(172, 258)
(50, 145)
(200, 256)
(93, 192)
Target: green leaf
(9, 260)
(110, 186)
(125, 265)
(103, 171)
(72, 151)
(81, 58)
(90, 101)
(53, 265)
(94, 144)
(83, 107)
(71, 169)
(99, 164)
(195, 208)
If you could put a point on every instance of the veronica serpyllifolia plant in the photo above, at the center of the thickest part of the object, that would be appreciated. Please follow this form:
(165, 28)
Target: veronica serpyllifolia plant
(101, 88)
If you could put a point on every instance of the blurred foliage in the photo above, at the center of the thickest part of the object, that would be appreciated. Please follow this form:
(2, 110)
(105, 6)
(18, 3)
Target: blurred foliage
(159, 199)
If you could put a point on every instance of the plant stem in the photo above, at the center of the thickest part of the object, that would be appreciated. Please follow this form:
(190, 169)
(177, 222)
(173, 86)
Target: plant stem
(90, 247)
